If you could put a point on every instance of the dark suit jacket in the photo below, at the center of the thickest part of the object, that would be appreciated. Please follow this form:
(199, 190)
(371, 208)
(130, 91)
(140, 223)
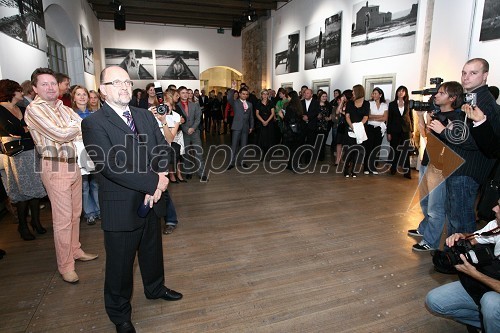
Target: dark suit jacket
(127, 164)
(242, 120)
(311, 113)
(397, 123)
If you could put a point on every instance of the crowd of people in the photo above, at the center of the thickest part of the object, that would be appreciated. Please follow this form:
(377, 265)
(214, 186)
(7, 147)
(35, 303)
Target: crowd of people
(58, 121)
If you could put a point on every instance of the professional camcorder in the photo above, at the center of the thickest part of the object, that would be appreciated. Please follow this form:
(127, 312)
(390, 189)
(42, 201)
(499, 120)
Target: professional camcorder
(161, 108)
(429, 105)
(445, 261)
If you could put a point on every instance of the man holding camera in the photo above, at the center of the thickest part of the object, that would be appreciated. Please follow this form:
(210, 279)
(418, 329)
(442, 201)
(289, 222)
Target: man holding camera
(475, 299)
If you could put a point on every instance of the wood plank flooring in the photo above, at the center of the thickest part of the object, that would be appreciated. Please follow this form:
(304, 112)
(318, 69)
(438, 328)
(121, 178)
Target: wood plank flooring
(252, 253)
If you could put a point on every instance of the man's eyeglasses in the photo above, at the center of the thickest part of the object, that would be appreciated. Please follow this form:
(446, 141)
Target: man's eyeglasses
(118, 83)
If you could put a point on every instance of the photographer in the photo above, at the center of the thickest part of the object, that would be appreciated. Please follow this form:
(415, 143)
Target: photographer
(475, 299)
(463, 183)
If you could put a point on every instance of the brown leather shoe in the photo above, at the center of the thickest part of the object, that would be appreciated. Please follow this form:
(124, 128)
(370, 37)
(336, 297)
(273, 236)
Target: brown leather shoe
(70, 277)
(87, 257)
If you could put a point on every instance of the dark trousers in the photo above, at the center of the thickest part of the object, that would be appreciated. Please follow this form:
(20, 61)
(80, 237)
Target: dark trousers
(121, 248)
(398, 139)
(311, 135)
(372, 147)
(324, 135)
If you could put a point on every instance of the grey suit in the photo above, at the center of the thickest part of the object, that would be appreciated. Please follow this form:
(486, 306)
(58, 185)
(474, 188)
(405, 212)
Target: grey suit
(193, 118)
(242, 123)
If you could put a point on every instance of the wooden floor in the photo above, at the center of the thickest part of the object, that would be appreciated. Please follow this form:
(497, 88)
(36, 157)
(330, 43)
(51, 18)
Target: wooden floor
(252, 253)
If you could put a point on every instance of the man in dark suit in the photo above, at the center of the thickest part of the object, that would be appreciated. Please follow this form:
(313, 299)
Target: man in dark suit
(131, 157)
(190, 130)
(243, 121)
(311, 109)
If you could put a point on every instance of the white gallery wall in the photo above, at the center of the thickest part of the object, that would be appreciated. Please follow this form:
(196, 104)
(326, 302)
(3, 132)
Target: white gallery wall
(454, 39)
(62, 22)
(214, 49)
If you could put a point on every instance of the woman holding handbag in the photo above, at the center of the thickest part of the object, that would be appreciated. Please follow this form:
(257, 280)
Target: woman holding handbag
(22, 182)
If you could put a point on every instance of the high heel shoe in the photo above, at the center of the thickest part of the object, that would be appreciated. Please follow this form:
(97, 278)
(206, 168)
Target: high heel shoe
(181, 180)
(37, 226)
(25, 232)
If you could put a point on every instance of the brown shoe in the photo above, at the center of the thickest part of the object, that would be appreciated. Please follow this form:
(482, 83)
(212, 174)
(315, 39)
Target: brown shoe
(70, 277)
(87, 257)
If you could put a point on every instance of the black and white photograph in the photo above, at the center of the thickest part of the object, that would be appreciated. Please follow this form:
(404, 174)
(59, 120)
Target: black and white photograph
(322, 42)
(286, 58)
(138, 63)
(88, 50)
(177, 65)
(490, 24)
(383, 28)
(24, 21)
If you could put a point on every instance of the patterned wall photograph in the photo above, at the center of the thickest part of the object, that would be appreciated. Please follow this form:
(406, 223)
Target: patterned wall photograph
(24, 21)
(138, 63)
(177, 65)
(383, 28)
(87, 50)
(286, 58)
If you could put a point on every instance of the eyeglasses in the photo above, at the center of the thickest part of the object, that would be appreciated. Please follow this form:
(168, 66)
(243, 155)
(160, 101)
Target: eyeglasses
(118, 83)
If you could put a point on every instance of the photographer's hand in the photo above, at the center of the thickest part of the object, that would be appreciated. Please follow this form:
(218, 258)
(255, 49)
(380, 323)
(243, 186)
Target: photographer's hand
(436, 126)
(473, 113)
(451, 240)
(466, 267)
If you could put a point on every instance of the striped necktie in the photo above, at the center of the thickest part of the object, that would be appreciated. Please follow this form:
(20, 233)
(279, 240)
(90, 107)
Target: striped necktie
(130, 121)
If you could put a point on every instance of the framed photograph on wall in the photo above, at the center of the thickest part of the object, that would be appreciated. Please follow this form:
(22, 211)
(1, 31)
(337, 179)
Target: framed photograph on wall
(287, 84)
(490, 24)
(177, 65)
(322, 42)
(383, 28)
(87, 50)
(24, 20)
(138, 63)
(286, 58)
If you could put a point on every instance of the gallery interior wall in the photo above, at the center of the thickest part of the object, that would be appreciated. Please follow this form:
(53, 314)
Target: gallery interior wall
(454, 39)
(214, 49)
(18, 60)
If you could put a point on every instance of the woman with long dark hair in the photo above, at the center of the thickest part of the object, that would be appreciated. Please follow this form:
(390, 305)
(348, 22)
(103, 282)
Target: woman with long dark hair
(399, 128)
(342, 124)
(150, 99)
(375, 130)
(23, 184)
(293, 128)
(324, 118)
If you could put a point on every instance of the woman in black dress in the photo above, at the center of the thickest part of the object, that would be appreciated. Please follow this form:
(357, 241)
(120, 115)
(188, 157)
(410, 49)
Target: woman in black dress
(22, 183)
(342, 124)
(356, 111)
(324, 118)
(266, 130)
(293, 128)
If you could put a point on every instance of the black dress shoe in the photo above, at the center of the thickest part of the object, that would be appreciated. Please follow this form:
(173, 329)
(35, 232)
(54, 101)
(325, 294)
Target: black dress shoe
(204, 178)
(171, 295)
(243, 165)
(230, 166)
(125, 327)
(189, 176)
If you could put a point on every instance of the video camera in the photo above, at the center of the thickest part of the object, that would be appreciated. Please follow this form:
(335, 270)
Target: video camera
(161, 108)
(429, 105)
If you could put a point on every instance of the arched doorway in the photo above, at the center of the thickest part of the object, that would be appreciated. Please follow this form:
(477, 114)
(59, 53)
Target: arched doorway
(60, 27)
(219, 78)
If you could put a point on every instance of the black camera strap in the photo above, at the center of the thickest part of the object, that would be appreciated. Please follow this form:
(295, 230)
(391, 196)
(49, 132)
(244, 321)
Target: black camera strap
(488, 233)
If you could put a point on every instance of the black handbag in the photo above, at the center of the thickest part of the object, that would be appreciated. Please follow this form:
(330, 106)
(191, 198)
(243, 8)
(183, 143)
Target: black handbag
(12, 148)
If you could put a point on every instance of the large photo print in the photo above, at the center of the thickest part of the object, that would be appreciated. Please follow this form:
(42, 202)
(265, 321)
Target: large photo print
(88, 50)
(24, 21)
(322, 42)
(138, 63)
(286, 58)
(177, 65)
(383, 28)
(490, 24)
